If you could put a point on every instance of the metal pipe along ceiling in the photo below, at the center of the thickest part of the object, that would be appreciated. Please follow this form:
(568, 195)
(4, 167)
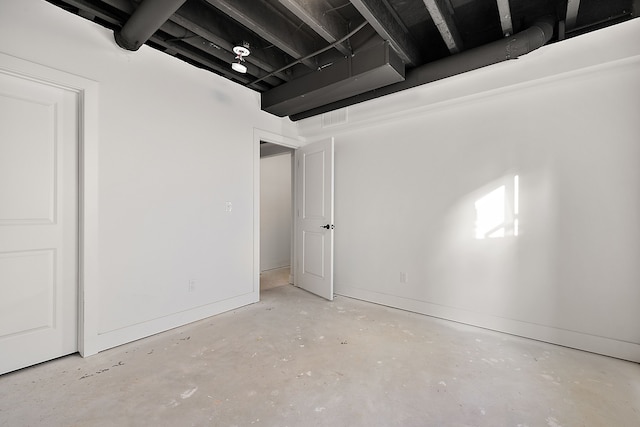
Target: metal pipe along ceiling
(145, 21)
(534, 37)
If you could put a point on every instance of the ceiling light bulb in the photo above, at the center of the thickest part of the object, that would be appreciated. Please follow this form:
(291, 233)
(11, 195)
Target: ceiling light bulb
(237, 66)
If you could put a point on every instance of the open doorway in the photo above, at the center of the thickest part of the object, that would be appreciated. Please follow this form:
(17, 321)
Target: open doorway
(276, 215)
(312, 228)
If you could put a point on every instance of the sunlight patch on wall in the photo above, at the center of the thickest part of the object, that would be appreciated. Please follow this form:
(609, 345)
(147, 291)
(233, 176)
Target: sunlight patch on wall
(497, 211)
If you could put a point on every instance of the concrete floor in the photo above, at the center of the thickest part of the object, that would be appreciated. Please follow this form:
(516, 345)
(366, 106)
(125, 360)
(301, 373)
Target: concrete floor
(296, 360)
(270, 279)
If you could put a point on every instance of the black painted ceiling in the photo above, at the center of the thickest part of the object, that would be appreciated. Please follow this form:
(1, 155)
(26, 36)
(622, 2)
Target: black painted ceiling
(285, 32)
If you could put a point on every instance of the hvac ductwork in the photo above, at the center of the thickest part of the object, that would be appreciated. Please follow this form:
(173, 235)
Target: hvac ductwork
(145, 21)
(534, 37)
(372, 68)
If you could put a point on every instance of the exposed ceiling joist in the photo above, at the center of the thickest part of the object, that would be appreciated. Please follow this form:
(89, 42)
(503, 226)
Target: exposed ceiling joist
(443, 18)
(178, 33)
(261, 19)
(329, 26)
(123, 5)
(572, 13)
(221, 34)
(87, 15)
(504, 10)
(85, 7)
(385, 24)
(194, 40)
(304, 48)
(187, 53)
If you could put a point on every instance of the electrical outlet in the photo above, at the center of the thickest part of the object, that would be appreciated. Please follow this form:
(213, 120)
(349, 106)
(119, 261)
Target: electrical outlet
(228, 207)
(404, 277)
(192, 285)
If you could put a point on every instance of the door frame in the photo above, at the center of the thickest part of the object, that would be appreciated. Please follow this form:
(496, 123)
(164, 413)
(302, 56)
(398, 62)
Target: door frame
(87, 191)
(274, 138)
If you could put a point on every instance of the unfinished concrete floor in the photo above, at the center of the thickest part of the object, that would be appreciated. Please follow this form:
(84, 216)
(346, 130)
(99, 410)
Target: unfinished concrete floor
(296, 360)
(273, 278)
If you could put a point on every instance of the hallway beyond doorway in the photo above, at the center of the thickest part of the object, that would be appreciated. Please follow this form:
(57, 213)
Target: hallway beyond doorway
(273, 278)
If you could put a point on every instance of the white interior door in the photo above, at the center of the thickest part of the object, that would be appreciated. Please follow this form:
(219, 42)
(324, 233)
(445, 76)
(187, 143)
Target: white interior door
(38, 222)
(314, 218)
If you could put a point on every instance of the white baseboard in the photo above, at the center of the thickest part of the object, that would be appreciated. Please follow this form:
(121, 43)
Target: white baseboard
(135, 332)
(581, 341)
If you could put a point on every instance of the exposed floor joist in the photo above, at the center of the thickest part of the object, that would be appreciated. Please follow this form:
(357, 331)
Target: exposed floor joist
(385, 24)
(221, 33)
(330, 27)
(443, 18)
(185, 36)
(504, 10)
(261, 19)
(206, 46)
(85, 8)
(290, 40)
(187, 53)
(572, 13)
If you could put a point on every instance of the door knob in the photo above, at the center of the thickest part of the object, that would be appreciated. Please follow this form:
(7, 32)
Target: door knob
(328, 226)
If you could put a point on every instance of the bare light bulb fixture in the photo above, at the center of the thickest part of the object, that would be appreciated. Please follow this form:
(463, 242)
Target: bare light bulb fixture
(241, 50)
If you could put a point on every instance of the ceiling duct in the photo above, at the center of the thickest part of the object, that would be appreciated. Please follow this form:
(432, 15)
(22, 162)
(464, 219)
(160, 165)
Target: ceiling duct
(369, 69)
(145, 21)
(511, 47)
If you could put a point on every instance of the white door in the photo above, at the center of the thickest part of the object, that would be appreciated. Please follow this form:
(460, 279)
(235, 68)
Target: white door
(38, 222)
(314, 218)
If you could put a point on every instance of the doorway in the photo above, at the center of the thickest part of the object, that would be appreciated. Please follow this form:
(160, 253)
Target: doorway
(276, 215)
(312, 194)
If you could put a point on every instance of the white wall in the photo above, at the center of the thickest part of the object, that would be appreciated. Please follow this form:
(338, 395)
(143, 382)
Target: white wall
(275, 211)
(409, 168)
(175, 144)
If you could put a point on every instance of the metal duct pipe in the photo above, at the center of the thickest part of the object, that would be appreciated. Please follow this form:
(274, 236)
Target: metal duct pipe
(508, 48)
(145, 21)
